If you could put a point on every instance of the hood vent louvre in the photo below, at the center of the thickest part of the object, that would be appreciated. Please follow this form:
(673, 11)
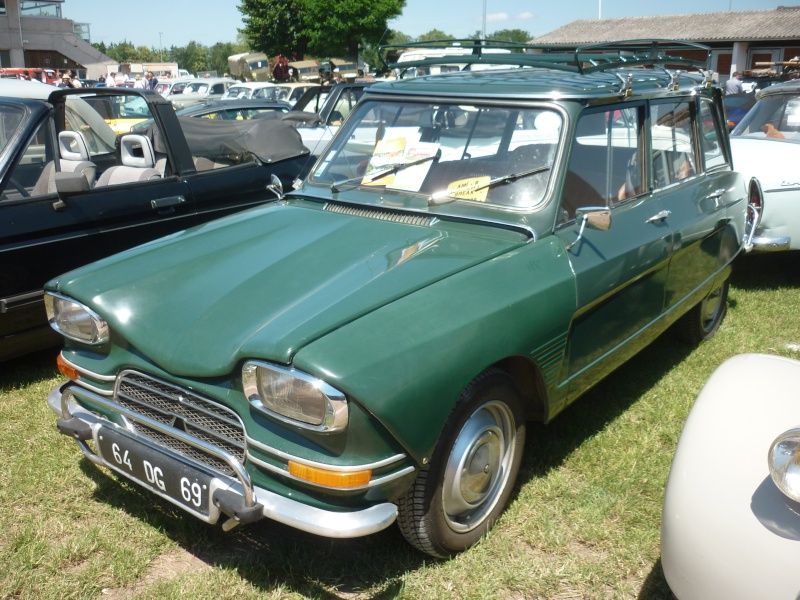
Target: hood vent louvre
(376, 213)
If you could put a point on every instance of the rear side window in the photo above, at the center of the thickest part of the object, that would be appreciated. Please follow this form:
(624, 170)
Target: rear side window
(673, 144)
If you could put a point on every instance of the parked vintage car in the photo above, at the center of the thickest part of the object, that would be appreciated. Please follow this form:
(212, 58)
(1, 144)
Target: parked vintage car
(235, 109)
(766, 150)
(472, 251)
(731, 522)
(73, 191)
(246, 90)
(322, 109)
(165, 87)
(201, 90)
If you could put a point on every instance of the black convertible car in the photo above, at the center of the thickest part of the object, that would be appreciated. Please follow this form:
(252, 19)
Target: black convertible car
(74, 189)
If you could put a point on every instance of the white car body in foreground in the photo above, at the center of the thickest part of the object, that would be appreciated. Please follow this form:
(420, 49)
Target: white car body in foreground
(728, 531)
(766, 145)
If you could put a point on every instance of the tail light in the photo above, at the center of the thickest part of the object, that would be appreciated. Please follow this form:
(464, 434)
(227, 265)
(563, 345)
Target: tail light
(755, 196)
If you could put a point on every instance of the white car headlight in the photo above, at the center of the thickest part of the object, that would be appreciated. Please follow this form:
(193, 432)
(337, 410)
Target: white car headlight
(784, 463)
(74, 320)
(294, 397)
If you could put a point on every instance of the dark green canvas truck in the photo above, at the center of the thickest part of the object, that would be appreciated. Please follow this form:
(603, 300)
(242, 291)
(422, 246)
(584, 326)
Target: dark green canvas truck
(473, 251)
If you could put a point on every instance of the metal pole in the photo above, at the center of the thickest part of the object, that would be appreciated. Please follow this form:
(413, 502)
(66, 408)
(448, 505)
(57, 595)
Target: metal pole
(599, 9)
(160, 48)
(484, 20)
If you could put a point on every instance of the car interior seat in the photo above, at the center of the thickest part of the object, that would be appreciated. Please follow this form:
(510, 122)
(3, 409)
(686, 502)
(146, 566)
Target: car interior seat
(75, 158)
(137, 162)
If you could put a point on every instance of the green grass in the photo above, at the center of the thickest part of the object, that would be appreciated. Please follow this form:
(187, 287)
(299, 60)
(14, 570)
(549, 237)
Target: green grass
(584, 521)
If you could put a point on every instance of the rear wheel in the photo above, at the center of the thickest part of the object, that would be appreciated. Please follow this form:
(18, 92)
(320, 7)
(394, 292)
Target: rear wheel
(702, 321)
(459, 494)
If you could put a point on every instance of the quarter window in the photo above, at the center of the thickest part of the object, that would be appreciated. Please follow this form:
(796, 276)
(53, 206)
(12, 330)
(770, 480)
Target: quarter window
(711, 136)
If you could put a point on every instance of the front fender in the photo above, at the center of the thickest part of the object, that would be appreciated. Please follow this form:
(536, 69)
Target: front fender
(408, 361)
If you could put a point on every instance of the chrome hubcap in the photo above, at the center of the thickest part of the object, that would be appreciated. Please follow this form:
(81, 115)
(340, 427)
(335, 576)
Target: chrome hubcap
(477, 469)
(711, 306)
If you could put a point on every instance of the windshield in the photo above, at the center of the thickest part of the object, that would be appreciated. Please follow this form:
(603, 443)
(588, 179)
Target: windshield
(196, 88)
(237, 91)
(775, 116)
(474, 154)
(11, 117)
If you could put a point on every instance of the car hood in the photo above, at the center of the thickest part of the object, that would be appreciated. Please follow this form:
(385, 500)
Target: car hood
(266, 282)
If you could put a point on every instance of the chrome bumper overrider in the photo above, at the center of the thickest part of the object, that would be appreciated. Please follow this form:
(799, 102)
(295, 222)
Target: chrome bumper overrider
(770, 244)
(82, 424)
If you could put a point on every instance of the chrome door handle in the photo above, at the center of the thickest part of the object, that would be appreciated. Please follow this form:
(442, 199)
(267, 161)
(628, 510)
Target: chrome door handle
(659, 216)
(716, 194)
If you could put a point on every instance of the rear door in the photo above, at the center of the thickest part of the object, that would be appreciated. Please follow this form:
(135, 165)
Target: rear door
(620, 273)
(692, 176)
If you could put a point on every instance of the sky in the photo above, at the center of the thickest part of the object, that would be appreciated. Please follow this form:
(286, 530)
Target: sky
(165, 23)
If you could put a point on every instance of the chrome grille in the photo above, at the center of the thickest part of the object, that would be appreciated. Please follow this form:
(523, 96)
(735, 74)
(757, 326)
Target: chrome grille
(185, 411)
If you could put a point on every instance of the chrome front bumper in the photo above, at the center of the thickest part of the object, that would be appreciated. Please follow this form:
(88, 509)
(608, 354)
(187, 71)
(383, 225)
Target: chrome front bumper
(333, 524)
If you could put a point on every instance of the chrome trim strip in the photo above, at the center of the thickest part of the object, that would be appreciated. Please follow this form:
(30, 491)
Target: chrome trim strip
(231, 461)
(373, 482)
(344, 469)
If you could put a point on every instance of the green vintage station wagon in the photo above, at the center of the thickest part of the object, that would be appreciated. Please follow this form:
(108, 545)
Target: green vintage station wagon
(473, 251)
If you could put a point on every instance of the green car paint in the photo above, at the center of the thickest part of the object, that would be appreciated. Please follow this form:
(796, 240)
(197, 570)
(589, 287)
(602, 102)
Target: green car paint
(548, 271)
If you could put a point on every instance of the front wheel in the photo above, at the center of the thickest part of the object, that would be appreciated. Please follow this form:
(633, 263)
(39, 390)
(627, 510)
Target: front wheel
(465, 486)
(702, 321)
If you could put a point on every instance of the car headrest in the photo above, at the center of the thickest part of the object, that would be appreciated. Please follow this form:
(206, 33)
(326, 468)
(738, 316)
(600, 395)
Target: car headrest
(72, 146)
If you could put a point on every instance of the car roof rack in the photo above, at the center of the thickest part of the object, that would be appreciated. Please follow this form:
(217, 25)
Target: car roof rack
(592, 58)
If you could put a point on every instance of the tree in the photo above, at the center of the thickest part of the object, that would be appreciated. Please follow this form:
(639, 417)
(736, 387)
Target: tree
(435, 34)
(218, 55)
(511, 35)
(370, 52)
(337, 27)
(275, 26)
(193, 57)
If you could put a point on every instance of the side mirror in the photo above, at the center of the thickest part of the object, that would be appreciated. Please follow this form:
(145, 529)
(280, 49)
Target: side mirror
(276, 187)
(597, 217)
(69, 184)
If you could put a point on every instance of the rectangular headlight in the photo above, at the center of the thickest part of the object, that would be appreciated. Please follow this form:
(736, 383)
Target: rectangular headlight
(74, 320)
(294, 397)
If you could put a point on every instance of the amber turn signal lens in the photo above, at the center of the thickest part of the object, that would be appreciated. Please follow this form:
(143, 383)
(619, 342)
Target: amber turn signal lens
(66, 369)
(330, 478)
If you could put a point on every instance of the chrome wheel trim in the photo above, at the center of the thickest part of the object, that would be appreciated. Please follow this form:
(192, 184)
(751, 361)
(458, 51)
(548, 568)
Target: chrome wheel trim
(478, 467)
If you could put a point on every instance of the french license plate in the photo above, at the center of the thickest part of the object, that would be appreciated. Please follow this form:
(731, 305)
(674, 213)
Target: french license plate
(185, 485)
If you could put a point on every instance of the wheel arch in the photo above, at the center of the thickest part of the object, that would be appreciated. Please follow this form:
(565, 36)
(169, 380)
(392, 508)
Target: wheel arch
(530, 382)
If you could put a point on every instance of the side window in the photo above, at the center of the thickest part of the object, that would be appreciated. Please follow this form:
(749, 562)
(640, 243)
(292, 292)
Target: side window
(34, 175)
(673, 142)
(711, 129)
(605, 165)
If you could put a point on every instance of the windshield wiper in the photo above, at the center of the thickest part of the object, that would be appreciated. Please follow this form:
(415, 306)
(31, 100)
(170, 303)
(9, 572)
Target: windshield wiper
(384, 171)
(445, 196)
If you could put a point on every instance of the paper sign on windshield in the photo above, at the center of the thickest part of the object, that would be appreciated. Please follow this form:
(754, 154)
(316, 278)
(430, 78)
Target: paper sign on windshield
(411, 178)
(387, 152)
(469, 189)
